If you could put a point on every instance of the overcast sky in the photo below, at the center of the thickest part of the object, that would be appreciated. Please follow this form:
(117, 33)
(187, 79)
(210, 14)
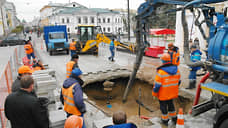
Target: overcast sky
(28, 9)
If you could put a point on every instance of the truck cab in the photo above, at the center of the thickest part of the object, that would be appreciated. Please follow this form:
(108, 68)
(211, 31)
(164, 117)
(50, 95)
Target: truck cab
(56, 39)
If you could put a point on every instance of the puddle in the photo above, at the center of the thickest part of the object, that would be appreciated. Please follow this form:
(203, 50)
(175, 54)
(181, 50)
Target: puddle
(97, 94)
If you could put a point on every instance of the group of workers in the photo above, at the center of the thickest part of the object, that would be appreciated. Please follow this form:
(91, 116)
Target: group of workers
(167, 80)
(18, 109)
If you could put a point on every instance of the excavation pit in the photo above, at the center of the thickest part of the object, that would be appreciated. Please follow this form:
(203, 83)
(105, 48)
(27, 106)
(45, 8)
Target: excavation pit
(99, 97)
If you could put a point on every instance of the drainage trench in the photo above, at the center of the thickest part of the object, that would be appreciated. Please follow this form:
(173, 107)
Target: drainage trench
(98, 96)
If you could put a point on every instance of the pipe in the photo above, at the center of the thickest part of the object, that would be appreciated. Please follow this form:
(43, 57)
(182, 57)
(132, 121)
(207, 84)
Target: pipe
(198, 91)
(220, 68)
(186, 44)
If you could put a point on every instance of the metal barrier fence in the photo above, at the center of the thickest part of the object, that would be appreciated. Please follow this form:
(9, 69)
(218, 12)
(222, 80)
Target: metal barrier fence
(6, 81)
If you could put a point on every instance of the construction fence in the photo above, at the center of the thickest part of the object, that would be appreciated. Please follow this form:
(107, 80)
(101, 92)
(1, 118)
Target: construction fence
(7, 77)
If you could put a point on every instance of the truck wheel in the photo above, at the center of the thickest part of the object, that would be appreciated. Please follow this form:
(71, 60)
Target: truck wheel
(224, 124)
(67, 52)
(51, 53)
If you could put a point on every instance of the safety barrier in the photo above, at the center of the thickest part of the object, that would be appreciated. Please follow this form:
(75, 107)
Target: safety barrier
(6, 80)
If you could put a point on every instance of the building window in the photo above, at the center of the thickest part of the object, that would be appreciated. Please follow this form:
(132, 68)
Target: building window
(115, 20)
(85, 20)
(108, 20)
(103, 20)
(108, 29)
(118, 20)
(68, 29)
(68, 20)
(92, 20)
(73, 5)
(79, 20)
(104, 29)
(99, 20)
(63, 20)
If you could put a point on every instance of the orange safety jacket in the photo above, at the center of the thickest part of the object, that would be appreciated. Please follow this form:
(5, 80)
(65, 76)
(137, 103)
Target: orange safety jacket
(69, 68)
(168, 85)
(28, 49)
(69, 105)
(72, 45)
(175, 56)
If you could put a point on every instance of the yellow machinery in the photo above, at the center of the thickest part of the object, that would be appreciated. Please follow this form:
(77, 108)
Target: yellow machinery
(89, 38)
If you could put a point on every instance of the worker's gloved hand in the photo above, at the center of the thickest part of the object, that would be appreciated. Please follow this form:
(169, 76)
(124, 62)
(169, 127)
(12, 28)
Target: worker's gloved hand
(154, 94)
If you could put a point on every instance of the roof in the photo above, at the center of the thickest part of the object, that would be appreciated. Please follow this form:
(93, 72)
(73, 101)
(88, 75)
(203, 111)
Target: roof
(71, 10)
(161, 31)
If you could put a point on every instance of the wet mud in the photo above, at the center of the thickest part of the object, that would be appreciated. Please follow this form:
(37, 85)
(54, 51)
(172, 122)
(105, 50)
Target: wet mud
(97, 94)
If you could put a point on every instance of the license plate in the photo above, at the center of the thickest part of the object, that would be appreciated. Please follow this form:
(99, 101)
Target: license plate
(59, 49)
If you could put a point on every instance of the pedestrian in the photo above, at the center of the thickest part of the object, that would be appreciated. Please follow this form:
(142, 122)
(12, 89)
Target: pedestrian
(119, 120)
(71, 94)
(72, 47)
(112, 50)
(29, 51)
(194, 57)
(22, 71)
(73, 63)
(22, 109)
(174, 53)
(73, 122)
(167, 81)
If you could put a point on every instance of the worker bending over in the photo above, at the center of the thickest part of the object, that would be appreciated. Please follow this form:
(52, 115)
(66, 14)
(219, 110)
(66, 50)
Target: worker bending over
(72, 47)
(38, 66)
(73, 63)
(167, 81)
(71, 95)
(174, 54)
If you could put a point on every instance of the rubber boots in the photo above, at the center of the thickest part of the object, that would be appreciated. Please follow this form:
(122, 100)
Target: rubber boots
(164, 122)
(174, 120)
(192, 84)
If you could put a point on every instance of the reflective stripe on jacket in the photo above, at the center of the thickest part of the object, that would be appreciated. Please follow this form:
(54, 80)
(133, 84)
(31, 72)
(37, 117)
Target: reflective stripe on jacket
(175, 56)
(69, 68)
(166, 84)
(28, 49)
(69, 105)
(72, 45)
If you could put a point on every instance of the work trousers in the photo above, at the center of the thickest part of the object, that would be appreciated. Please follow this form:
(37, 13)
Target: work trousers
(72, 52)
(192, 74)
(166, 107)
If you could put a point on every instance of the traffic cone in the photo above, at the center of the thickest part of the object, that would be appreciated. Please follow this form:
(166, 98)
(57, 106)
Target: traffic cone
(180, 119)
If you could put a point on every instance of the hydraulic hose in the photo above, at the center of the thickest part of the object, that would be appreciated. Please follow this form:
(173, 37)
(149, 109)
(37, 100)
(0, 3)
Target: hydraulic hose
(186, 44)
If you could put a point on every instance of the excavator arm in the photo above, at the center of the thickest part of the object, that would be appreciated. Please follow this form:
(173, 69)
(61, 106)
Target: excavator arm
(148, 9)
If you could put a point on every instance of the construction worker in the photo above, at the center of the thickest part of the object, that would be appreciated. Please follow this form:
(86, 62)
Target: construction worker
(167, 81)
(174, 53)
(195, 56)
(112, 50)
(23, 110)
(29, 51)
(71, 95)
(73, 63)
(38, 66)
(72, 47)
(73, 122)
(119, 119)
(22, 71)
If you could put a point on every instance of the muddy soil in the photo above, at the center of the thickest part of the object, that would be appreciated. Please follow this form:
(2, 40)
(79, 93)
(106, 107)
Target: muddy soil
(97, 94)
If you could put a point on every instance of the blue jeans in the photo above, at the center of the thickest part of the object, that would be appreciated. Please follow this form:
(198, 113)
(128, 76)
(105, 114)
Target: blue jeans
(72, 52)
(112, 50)
(31, 55)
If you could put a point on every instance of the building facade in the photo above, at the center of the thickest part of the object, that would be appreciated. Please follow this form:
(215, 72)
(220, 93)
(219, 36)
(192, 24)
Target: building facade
(8, 19)
(73, 14)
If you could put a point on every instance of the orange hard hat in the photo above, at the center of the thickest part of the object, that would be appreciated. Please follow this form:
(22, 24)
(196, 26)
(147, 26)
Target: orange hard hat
(166, 57)
(73, 122)
(24, 69)
(170, 45)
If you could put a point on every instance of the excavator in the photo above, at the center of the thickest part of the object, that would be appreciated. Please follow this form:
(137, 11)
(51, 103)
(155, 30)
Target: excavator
(90, 36)
(216, 64)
